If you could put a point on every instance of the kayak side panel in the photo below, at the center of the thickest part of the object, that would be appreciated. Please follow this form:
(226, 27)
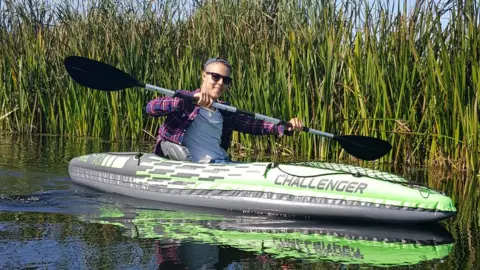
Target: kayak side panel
(248, 200)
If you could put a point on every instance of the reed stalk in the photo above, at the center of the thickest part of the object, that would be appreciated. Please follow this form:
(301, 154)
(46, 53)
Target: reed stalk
(407, 75)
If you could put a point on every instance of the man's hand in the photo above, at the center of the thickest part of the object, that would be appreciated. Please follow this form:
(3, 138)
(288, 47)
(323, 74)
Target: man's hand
(203, 100)
(295, 124)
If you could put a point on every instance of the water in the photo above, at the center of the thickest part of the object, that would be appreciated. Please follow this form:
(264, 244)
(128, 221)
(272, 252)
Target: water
(46, 221)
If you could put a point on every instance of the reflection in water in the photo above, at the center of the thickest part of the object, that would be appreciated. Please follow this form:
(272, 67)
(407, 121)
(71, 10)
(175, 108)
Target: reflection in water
(307, 240)
(120, 235)
(50, 240)
(48, 222)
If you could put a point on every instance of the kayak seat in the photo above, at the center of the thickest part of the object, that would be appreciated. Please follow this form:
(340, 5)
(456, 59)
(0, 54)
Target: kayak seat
(174, 151)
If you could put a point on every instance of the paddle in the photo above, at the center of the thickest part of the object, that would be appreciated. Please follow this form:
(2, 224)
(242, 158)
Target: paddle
(101, 76)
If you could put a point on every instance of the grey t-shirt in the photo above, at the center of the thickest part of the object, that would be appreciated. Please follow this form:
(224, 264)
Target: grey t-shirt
(203, 137)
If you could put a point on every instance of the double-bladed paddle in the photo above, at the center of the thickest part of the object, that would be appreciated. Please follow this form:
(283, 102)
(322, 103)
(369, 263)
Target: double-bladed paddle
(101, 76)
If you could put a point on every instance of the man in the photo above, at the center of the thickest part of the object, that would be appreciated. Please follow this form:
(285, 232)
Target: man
(205, 131)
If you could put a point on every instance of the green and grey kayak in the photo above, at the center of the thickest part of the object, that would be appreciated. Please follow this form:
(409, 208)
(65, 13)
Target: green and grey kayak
(315, 189)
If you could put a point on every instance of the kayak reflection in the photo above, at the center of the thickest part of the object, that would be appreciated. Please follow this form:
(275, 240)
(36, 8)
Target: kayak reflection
(191, 236)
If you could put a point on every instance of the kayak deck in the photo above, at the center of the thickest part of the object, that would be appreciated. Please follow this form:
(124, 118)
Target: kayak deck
(314, 189)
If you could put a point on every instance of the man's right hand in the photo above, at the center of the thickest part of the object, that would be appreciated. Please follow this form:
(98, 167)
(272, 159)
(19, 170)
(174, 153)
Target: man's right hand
(203, 100)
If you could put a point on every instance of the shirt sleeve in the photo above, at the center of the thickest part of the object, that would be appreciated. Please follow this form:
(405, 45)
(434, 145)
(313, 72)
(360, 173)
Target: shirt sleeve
(164, 105)
(248, 124)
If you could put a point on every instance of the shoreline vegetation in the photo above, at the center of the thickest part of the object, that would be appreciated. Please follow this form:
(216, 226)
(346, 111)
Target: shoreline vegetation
(402, 74)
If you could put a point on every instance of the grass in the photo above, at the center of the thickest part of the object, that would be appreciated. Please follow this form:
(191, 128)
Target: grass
(344, 67)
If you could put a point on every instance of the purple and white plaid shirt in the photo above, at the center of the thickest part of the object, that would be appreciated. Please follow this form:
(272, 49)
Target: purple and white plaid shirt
(181, 113)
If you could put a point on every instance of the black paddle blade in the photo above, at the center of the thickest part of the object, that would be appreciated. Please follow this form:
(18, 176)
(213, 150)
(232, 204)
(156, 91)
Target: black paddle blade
(98, 75)
(362, 147)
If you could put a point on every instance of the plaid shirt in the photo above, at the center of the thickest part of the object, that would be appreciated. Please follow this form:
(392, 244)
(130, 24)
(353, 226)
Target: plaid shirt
(181, 113)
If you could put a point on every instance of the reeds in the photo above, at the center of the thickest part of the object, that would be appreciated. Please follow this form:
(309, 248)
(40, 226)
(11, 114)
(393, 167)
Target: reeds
(410, 76)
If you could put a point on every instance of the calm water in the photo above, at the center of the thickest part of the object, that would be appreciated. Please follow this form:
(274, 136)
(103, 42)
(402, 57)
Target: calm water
(46, 221)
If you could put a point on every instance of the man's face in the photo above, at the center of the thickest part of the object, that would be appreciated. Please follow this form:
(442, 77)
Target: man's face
(215, 77)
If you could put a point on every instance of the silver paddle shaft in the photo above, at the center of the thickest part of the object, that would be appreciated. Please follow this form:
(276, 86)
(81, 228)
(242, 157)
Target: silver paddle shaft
(232, 109)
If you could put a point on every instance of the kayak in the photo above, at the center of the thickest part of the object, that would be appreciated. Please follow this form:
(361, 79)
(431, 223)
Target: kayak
(278, 238)
(313, 189)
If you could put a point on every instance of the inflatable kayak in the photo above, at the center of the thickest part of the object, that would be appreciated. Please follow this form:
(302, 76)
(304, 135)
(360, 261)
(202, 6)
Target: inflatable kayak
(277, 238)
(315, 189)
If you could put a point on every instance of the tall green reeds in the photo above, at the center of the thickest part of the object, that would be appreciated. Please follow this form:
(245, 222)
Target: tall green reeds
(407, 75)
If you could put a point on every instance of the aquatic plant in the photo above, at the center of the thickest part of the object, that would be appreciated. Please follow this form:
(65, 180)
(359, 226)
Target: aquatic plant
(407, 74)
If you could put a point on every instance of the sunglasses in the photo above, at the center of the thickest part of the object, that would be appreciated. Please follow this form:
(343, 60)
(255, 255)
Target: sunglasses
(216, 77)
